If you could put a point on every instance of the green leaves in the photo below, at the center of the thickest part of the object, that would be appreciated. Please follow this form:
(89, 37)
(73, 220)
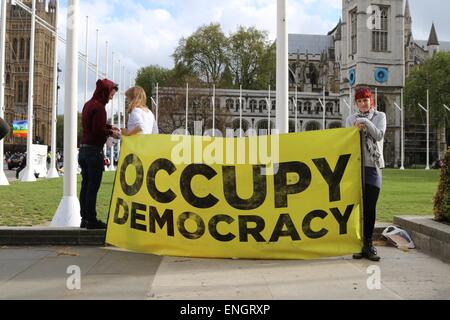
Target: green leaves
(431, 75)
(244, 58)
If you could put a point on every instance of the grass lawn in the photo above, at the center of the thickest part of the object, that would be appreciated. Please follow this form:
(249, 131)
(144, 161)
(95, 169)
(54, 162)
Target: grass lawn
(408, 192)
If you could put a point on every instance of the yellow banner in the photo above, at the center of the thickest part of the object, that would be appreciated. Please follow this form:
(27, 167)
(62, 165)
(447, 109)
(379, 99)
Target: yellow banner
(293, 196)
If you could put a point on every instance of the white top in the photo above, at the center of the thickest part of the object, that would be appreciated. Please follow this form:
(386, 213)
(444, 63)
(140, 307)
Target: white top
(143, 119)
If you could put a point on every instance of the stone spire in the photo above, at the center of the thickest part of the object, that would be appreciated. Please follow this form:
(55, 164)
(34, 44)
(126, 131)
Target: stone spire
(433, 39)
(407, 10)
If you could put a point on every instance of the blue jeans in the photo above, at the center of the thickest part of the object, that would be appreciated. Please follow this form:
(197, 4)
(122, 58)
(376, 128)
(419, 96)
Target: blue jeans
(90, 160)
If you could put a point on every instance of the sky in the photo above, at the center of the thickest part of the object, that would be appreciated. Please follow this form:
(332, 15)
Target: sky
(146, 32)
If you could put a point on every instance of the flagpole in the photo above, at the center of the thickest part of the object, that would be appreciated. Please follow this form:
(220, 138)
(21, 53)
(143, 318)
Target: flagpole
(3, 180)
(282, 113)
(28, 174)
(68, 212)
(52, 172)
(240, 112)
(187, 109)
(111, 150)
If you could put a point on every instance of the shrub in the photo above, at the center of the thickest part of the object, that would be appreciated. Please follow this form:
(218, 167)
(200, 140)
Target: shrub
(442, 197)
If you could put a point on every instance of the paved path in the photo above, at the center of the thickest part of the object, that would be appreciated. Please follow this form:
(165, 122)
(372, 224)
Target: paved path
(107, 273)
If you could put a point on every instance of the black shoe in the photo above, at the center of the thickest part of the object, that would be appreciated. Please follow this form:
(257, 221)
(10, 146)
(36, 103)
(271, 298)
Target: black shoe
(83, 223)
(357, 256)
(95, 224)
(370, 253)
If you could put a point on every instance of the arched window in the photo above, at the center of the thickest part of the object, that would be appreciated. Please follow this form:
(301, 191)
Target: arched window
(22, 49)
(27, 54)
(262, 106)
(307, 107)
(14, 49)
(253, 105)
(262, 125)
(299, 106)
(25, 94)
(380, 36)
(329, 107)
(318, 108)
(238, 104)
(245, 124)
(46, 53)
(19, 93)
(335, 125)
(44, 98)
(312, 126)
(43, 133)
(230, 104)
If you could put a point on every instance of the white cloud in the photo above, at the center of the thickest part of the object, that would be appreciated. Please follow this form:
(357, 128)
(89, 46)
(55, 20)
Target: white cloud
(147, 32)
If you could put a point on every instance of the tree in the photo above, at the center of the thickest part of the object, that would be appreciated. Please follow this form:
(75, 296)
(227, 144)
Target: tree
(60, 131)
(172, 113)
(148, 77)
(247, 54)
(267, 74)
(431, 75)
(442, 197)
(204, 52)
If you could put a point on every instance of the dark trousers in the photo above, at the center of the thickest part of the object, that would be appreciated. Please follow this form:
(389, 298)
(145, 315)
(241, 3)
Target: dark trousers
(371, 194)
(90, 160)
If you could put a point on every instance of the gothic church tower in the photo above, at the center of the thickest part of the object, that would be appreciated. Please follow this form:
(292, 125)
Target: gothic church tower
(373, 48)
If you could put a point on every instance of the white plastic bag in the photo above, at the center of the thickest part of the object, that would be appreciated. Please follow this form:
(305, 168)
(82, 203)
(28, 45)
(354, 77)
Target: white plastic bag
(399, 237)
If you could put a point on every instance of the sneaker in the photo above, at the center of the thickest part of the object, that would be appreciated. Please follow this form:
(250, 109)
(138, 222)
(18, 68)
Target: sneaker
(96, 224)
(370, 253)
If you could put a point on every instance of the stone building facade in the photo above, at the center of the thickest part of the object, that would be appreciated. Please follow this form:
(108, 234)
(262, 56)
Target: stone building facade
(352, 54)
(18, 29)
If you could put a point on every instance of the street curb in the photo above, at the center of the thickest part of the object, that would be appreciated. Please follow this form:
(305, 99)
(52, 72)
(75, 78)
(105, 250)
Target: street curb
(32, 236)
(429, 236)
(41, 236)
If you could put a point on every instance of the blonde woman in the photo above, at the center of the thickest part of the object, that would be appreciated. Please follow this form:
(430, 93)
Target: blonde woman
(141, 120)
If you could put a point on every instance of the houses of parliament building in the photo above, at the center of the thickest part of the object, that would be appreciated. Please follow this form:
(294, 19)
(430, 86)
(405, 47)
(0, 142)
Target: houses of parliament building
(17, 56)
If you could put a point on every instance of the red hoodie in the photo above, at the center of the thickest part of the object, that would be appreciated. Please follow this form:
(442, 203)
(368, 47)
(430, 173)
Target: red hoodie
(95, 129)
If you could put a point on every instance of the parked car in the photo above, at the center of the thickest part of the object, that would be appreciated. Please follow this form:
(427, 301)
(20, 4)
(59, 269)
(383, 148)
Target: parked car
(14, 161)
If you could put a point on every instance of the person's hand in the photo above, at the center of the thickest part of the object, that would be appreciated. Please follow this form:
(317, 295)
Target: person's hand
(116, 134)
(360, 125)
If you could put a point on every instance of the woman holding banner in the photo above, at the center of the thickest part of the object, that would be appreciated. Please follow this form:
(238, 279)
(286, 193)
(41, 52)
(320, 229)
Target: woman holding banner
(141, 119)
(372, 123)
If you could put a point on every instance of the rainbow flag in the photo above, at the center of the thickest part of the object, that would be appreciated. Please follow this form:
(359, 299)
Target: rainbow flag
(20, 128)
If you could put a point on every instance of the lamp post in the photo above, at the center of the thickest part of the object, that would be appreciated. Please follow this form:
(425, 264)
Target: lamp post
(402, 132)
(427, 110)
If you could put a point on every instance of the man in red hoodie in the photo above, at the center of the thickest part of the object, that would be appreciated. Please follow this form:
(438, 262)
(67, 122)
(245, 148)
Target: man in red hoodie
(90, 158)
